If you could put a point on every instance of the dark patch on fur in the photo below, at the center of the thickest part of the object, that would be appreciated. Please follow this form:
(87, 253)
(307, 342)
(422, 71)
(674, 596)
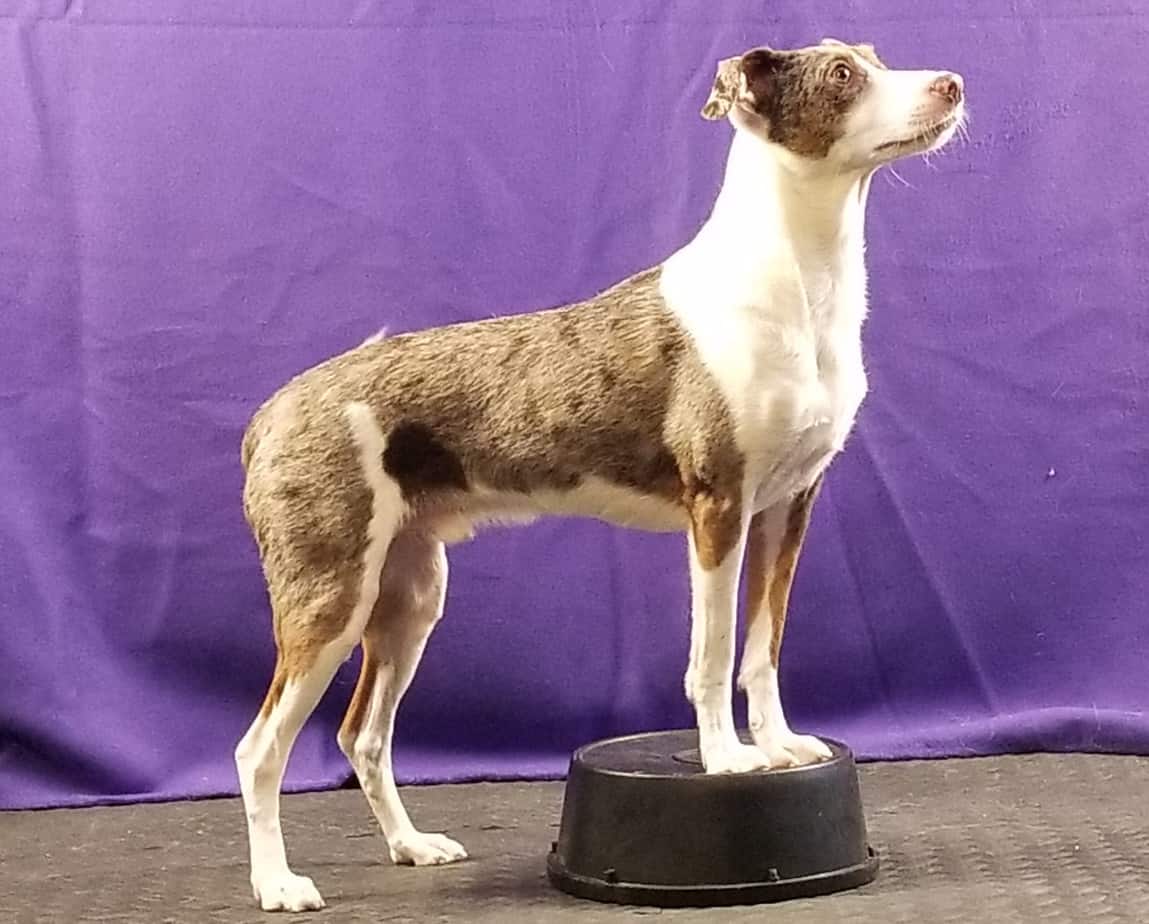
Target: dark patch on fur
(419, 461)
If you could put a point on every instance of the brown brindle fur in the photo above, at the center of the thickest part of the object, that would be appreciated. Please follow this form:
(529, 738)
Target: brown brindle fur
(610, 387)
(793, 92)
(768, 582)
(716, 524)
(804, 108)
(308, 508)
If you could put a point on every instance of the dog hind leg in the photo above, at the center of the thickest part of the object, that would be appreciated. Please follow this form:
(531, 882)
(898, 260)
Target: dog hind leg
(314, 638)
(323, 576)
(410, 603)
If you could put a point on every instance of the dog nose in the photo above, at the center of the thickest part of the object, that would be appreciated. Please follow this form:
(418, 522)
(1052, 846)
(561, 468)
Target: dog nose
(948, 87)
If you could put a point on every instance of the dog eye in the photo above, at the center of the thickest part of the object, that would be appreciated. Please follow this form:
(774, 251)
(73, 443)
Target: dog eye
(841, 73)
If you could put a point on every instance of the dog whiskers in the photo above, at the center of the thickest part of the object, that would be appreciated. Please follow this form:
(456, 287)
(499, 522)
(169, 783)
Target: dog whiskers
(899, 178)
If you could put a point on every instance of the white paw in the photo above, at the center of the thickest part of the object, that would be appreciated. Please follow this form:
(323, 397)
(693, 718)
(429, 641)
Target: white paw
(734, 757)
(419, 849)
(790, 750)
(287, 892)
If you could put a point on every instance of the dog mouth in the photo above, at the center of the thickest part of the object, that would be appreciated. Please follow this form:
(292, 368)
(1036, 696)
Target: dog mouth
(923, 138)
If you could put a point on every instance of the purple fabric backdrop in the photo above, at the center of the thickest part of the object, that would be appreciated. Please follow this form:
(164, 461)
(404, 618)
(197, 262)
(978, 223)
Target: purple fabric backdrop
(196, 203)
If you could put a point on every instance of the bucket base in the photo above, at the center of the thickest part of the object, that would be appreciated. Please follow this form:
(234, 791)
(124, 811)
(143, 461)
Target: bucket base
(643, 824)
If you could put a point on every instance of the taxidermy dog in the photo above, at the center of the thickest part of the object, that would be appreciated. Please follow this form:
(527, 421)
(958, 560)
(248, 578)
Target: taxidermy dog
(705, 395)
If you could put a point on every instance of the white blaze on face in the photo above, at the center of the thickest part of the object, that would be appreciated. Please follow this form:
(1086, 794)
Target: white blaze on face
(900, 113)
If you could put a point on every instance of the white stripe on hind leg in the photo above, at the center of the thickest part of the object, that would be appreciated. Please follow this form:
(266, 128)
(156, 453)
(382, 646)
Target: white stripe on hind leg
(411, 592)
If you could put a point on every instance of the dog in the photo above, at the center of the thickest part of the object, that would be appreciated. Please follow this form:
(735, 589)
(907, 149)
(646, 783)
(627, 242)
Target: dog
(706, 395)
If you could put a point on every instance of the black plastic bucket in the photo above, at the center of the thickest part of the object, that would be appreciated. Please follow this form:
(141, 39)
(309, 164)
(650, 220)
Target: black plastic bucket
(643, 825)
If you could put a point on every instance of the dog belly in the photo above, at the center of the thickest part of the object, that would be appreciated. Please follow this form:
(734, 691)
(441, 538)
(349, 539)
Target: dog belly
(620, 506)
(593, 498)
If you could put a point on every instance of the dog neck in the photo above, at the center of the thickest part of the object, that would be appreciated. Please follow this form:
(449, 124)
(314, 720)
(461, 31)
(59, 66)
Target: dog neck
(775, 210)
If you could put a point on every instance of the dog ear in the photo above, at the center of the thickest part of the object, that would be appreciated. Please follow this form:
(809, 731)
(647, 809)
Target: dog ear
(729, 84)
(745, 80)
(870, 53)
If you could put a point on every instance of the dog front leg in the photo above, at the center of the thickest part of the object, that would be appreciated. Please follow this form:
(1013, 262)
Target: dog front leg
(774, 542)
(717, 542)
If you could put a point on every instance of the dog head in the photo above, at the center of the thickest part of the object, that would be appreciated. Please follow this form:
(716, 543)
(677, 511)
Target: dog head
(837, 104)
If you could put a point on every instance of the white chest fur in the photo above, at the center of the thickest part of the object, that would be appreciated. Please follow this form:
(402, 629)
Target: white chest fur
(772, 291)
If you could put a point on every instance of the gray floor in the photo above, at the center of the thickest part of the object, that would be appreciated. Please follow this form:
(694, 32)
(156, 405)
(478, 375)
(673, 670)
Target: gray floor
(1035, 838)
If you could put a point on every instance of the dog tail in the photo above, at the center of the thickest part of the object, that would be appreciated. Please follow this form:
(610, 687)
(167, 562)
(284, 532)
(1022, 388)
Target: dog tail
(374, 338)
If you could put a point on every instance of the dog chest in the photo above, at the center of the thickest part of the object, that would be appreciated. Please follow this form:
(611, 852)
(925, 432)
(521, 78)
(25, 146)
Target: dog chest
(785, 352)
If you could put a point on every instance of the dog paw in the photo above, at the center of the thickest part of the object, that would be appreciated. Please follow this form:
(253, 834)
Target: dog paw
(419, 849)
(792, 750)
(287, 892)
(735, 757)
